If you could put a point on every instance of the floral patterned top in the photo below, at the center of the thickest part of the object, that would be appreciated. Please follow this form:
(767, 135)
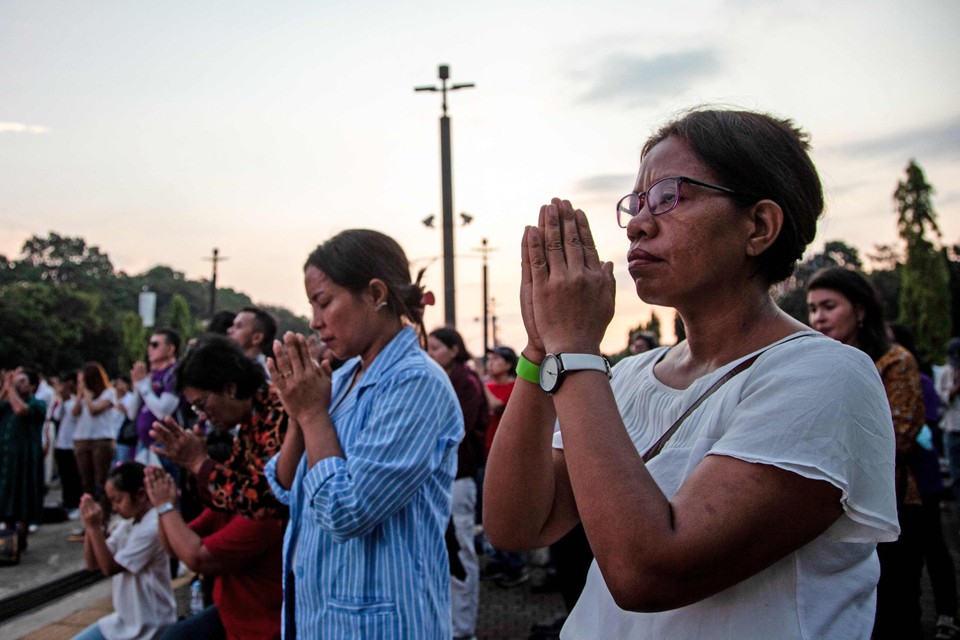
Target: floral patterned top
(238, 484)
(901, 380)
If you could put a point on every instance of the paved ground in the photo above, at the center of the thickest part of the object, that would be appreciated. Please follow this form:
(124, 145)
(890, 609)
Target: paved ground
(505, 614)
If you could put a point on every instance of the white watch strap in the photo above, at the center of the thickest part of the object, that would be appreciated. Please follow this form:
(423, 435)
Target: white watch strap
(585, 362)
(166, 507)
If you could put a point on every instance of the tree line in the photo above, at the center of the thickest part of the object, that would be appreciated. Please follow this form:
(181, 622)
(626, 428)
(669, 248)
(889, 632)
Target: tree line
(63, 303)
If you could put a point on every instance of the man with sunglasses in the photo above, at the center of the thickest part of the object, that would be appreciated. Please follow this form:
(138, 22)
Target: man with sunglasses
(156, 390)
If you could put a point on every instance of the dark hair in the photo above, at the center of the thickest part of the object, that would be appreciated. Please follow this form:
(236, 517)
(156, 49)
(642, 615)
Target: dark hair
(216, 361)
(220, 322)
(509, 356)
(452, 338)
(123, 377)
(33, 376)
(69, 375)
(127, 477)
(265, 324)
(872, 332)
(755, 153)
(352, 258)
(904, 337)
(95, 377)
(170, 335)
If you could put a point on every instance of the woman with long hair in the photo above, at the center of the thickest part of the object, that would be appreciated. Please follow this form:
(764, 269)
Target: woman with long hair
(844, 306)
(94, 436)
(368, 462)
(734, 485)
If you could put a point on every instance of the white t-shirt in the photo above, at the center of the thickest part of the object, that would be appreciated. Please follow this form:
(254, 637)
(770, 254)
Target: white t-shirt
(811, 406)
(68, 424)
(102, 425)
(143, 598)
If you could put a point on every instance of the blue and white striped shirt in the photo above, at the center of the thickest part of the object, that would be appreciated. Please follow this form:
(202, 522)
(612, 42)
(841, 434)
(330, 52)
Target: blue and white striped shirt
(364, 550)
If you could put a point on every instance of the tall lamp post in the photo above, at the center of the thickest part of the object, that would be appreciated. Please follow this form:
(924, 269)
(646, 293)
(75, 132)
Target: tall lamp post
(446, 177)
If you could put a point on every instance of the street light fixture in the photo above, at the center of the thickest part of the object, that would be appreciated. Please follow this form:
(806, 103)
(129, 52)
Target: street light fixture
(446, 177)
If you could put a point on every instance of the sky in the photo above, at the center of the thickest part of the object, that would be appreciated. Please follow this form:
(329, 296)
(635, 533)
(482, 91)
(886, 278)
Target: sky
(158, 131)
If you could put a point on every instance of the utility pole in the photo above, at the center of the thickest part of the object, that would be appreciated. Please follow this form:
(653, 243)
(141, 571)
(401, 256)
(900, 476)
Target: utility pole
(484, 251)
(446, 177)
(213, 281)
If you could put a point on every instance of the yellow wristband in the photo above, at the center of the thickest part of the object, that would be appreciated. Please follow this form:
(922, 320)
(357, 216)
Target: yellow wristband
(528, 371)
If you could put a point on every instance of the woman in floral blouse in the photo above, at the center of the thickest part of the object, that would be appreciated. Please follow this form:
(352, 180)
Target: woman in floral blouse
(230, 390)
(844, 306)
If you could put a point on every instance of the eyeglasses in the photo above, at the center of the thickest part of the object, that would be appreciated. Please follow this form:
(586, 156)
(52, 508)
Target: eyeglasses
(154, 344)
(662, 197)
(200, 405)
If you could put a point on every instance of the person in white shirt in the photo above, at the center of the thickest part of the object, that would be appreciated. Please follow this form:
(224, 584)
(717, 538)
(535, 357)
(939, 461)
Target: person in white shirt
(760, 516)
(948, 388)
(143, 599)
(95, 433)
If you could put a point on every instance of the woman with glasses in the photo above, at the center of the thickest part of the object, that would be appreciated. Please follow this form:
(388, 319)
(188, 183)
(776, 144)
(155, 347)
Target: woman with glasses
(734, 485)
(368, 464)
(230, 390)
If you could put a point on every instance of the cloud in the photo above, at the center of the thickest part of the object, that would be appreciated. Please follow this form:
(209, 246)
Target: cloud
(931, 141)
(19, 127)
(607, 183)
(643, 81)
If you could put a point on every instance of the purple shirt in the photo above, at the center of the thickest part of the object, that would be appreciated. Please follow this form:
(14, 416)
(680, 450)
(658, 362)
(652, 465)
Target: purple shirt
(161, 382)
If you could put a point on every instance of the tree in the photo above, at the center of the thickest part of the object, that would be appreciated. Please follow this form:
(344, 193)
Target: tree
(179, 318)
(924, 279)
(53, 328)
(133, 337)
(64, 260)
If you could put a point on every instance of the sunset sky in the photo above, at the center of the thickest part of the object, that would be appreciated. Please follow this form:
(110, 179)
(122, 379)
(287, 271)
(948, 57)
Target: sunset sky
(158, 131)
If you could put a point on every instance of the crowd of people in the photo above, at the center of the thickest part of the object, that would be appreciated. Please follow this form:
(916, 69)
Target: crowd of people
(761, 478)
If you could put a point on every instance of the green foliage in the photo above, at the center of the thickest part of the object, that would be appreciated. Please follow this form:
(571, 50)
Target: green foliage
(179, 319)
(61, 303)
(924, 279)
(133, 337)
(925, 298)
(63, 260)
(914, 204)
(287, 321)
(53, 328)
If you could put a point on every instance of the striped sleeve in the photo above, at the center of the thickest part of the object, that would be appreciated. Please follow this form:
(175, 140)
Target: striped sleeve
(404, 441)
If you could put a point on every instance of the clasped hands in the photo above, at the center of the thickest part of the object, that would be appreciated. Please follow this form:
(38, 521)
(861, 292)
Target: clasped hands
(302, 380)
(566, 293)
(160, 486)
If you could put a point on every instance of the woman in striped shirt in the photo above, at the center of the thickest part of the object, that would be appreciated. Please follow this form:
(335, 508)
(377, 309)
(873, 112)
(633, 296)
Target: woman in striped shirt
(370, 455)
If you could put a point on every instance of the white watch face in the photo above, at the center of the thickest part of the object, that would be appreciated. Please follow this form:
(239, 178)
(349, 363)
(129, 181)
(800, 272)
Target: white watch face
(550, 373)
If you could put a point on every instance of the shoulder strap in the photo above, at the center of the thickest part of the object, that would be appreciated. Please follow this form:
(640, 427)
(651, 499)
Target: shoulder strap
(740, 368)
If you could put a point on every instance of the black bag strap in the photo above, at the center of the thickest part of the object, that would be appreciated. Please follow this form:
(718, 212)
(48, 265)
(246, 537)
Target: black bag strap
(658, 446)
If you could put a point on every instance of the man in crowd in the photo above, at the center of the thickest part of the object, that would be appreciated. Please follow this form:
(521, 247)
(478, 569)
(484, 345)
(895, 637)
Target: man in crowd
(254, 330)
(156, 390)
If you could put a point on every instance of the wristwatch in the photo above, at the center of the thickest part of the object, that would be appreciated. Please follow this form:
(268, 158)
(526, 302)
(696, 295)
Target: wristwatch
(166, 507)
(556, 365)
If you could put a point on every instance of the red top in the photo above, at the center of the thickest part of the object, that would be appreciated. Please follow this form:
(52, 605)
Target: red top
(501, 392)
(249, 593)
